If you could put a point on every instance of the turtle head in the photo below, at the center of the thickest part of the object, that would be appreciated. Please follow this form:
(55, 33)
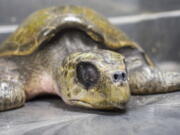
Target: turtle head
(96, 79)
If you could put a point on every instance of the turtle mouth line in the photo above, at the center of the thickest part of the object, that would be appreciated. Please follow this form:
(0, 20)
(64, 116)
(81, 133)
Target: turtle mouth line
(118, 106)
(81, 103)
(111, 106)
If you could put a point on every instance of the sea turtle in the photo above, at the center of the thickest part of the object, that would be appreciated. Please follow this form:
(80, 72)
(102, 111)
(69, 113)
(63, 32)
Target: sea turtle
(75, 53)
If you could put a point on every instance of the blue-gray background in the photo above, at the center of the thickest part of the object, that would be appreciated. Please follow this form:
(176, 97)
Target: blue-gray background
(154, 114)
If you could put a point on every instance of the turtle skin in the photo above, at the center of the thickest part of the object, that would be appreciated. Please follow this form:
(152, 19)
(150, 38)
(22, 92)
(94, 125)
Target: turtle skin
(75, 53)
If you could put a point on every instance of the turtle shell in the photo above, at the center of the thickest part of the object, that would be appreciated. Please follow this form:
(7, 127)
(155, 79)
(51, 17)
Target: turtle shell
(43, 25)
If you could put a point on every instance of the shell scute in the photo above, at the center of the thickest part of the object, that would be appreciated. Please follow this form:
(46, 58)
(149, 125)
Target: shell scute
(42, 25)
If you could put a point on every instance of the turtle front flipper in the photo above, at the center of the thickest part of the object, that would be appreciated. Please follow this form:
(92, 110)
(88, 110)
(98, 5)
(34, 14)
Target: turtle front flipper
(12, 93)
(149, 80)
(144, 77)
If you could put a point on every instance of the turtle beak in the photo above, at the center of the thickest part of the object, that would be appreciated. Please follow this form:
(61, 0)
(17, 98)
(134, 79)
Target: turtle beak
(120, 106)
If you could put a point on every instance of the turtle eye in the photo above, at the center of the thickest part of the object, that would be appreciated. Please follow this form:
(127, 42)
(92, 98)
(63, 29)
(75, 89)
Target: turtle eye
(87, 74)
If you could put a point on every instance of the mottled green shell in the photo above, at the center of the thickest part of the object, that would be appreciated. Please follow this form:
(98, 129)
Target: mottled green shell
(42, 25)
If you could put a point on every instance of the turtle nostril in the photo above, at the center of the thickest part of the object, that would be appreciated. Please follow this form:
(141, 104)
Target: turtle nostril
(119, 76)
(123, 75)
(116, 76)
